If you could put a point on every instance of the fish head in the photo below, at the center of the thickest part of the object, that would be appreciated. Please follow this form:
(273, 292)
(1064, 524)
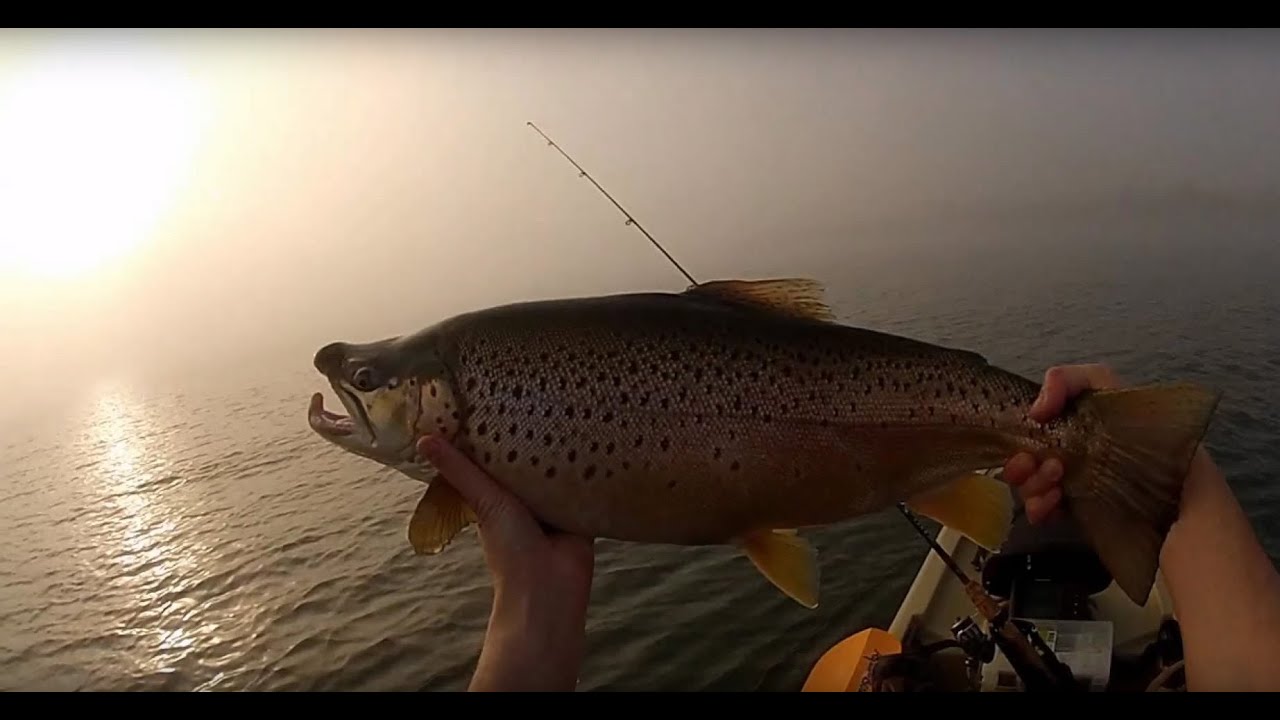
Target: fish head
(394, 392)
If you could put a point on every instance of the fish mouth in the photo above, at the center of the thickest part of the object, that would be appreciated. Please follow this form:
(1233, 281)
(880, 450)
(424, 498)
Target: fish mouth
(349, 429)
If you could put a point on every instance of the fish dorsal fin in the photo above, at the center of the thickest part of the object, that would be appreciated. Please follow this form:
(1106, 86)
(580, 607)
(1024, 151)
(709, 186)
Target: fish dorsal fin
(795, 297)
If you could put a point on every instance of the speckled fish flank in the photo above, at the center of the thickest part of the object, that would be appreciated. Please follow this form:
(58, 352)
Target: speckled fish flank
(737, 412)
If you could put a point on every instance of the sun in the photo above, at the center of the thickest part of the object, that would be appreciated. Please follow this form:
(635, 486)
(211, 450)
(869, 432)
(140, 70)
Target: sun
(95, 143)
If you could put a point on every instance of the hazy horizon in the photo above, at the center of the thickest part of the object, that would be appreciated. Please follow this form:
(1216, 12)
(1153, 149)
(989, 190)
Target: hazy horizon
(192, 201)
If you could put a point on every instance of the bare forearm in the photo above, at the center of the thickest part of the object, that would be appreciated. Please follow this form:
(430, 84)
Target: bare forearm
(1225, 589)
(531, 644)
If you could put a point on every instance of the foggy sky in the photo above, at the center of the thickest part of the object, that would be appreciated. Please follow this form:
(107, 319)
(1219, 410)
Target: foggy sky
(356, 184)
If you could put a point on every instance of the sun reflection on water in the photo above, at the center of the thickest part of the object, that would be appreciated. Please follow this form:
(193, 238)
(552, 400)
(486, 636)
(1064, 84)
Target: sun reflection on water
(153, 561)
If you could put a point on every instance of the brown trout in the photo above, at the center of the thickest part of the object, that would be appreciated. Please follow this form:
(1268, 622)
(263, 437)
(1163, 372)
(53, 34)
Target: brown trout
(738, 412)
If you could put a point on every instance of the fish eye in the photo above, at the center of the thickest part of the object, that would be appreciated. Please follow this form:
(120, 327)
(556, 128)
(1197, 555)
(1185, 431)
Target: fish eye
(365, 379)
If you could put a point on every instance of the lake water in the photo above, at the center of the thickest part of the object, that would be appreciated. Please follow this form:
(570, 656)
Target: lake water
(182, 537)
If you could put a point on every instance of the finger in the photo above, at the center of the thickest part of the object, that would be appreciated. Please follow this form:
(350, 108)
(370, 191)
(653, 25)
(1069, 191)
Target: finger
(1044, 479)
(1041, 507)
(1063, 382)
(1019, 469)
(489, 500)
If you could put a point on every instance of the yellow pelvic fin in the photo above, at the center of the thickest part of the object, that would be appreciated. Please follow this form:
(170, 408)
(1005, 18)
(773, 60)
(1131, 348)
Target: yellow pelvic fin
(787, 560)
(441, 514)
(796, 297)
(979, 506)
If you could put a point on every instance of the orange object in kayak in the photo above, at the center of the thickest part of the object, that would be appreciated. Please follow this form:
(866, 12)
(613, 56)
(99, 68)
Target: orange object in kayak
(843, 667)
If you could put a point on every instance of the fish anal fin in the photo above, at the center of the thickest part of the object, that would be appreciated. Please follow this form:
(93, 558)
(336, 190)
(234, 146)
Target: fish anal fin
(441, 514)
(795, 297)
(786, 560)
(978, 506)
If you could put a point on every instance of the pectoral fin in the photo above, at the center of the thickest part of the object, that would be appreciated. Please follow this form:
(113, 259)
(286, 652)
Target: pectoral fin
(787, 560)
(979, 506)
(440, 516)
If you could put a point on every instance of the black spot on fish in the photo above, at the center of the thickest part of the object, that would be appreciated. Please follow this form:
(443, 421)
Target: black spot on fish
(595, 446)
(487, 456)
(573, 455)
(626, 465)
(511, 456)
(608, 417)
(608, 449)
(546, 439)
(589, 472)
(716, 453)
(671, 484)
(551, 471)
(482, 429)
(734, 466)
(533, 460)
(666, 443)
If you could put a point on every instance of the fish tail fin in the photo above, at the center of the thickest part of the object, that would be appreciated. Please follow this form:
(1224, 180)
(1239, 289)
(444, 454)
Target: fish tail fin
(1127, 492)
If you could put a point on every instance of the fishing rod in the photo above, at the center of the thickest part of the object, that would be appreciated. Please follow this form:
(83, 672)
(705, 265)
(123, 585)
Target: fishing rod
(630, 220)
(1031, 657)
(1028, 653)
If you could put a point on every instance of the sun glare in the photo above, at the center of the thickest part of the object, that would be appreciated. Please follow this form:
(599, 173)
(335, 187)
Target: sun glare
(94, 144)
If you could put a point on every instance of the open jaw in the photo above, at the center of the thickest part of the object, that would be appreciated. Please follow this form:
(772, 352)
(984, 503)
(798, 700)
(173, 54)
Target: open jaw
(327, 423)
(347, 430)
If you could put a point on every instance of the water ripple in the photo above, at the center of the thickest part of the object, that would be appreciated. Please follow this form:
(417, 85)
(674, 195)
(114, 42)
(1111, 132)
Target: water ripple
(189, 541)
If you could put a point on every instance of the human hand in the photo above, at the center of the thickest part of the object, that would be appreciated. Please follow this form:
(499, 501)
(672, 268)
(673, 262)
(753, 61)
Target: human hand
(1038, 484)
(541, 579)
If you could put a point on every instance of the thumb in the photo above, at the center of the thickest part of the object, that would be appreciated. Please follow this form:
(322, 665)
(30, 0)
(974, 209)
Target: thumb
(492, 504)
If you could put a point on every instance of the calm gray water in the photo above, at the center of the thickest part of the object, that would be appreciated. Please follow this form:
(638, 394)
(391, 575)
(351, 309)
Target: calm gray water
(184, 538)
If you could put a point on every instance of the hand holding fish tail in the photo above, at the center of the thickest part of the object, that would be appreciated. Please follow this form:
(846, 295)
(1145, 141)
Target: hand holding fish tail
(1225, 589)
(542, 583)
(1040, 486)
